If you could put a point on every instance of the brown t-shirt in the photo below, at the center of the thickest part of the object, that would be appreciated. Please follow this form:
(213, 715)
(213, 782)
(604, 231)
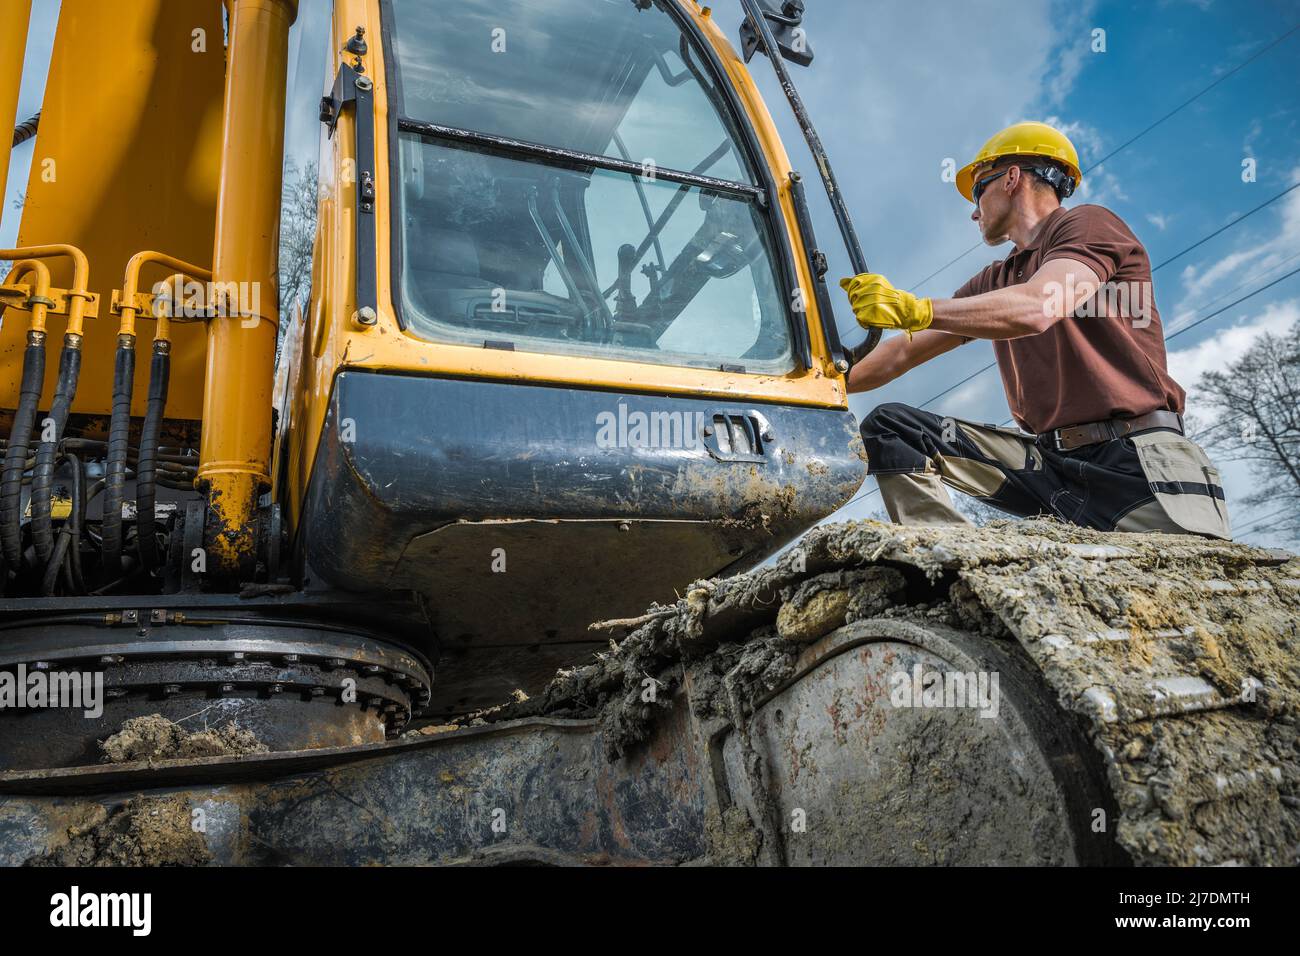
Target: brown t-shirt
(1105, 361)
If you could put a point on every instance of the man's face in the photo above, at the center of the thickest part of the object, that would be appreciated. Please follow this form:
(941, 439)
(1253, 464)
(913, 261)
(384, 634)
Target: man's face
(993, 211)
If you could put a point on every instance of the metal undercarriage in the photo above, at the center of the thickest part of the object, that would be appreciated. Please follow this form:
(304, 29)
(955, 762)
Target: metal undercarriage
(1147, 712)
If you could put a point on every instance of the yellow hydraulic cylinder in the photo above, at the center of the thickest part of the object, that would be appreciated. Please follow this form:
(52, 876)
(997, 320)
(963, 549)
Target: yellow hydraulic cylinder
(234, 456)
(13, 45)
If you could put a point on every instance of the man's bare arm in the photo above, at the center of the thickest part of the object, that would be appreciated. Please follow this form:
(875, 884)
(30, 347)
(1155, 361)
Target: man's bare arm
(899, 354)
(1056, 290)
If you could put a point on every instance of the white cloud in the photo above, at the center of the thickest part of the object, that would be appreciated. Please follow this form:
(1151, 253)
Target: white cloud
(890, 117)
(1226, 346)
(1099, 185)
(1159, 220)
(1259, 256)
(1073, 51)
(1256, 130)
(979, 394)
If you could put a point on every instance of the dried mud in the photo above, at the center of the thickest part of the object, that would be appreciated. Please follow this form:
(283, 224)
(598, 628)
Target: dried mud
(148, 831)
(1181, 654)
(154, 737)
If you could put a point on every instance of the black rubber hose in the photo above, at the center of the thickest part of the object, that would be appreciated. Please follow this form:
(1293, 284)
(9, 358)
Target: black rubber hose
(119, 429)
(27, 129)
(43, 473)
(159, 372)
(55, 564)
(11, 483)
(78, 520)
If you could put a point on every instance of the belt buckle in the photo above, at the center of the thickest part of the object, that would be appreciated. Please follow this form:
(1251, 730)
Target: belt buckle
(1055, 440)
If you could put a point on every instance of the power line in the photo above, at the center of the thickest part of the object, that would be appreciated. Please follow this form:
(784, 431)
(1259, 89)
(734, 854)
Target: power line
(1205, 239)
(1188, 328)
(1154, 270)
(1218, 311)
(1133, 139)
(1225, 422)
(1129, 142)
(1241, 285)
(1188, 102)
(1256, 522)
(945, 266)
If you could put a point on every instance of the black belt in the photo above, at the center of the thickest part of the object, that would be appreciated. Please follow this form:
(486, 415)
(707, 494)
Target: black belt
(1094, 433)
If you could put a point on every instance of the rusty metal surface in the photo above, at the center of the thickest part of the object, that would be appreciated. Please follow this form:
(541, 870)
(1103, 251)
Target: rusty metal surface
(854, 779)
(283, 668)
(537, 791)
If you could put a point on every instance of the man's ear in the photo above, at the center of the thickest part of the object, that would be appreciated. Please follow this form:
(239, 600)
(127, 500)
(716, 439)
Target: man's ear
(1014, 175)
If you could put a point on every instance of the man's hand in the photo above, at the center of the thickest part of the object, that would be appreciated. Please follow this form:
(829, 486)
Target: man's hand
(877, 304)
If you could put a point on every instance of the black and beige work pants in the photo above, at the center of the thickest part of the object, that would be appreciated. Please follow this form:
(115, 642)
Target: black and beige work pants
(1157, 480)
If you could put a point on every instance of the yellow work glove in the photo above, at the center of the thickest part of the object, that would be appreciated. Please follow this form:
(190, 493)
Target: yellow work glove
(877, 304)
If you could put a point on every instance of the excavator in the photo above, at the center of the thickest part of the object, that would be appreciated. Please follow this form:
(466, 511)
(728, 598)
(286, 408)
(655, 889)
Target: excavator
(503, 542)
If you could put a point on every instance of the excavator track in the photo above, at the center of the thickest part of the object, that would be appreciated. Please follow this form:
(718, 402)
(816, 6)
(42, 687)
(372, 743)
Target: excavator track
(1175, 657)
(1134, 701)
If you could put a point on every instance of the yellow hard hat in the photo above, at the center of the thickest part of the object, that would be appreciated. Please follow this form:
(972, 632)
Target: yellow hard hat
(1024, 139)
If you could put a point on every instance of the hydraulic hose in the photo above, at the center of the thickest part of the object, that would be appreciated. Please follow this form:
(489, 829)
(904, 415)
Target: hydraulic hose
(159, 373)
(119, 428)
(28, 260)
(55, 564)
(27, 129)
(147, 476)
(78, 522)
(43, 473)
(11, 482)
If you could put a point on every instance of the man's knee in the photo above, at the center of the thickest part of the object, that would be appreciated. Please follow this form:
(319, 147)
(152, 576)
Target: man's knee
(891, 417)
(897, 439)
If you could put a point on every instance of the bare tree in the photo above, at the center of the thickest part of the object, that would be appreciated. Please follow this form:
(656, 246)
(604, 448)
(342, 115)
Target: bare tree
(20, 200)
(297, 237)
(978, 511)
(1258, 400)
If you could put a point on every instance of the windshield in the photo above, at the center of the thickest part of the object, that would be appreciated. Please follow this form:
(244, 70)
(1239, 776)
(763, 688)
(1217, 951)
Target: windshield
(640, 236)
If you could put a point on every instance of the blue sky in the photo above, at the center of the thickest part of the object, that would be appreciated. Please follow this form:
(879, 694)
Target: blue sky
(898, 86)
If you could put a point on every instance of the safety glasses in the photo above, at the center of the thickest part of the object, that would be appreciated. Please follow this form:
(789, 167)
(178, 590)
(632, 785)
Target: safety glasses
(978, 189)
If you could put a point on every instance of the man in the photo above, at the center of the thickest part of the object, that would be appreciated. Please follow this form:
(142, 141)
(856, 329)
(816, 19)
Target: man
(1081, 350)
